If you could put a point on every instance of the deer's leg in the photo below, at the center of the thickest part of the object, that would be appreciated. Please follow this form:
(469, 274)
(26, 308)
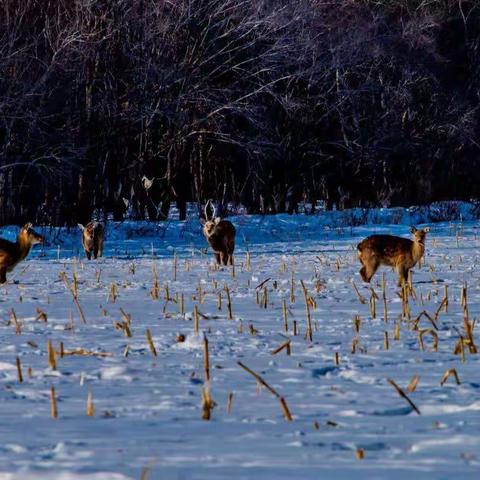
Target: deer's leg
(3, 275)
(402, 275)
(231, 248)
(225, 257)
(89, 254)
(218, 258)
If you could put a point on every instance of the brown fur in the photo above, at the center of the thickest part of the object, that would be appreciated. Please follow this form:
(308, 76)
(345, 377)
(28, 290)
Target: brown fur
(220, 235)
(92, 239)
(400, 253)
(12, 253)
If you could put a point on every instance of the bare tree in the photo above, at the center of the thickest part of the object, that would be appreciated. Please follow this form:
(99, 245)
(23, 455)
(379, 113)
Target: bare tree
(263, 102)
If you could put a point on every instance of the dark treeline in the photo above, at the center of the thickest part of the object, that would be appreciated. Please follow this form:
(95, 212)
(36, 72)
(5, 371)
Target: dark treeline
(105, 103)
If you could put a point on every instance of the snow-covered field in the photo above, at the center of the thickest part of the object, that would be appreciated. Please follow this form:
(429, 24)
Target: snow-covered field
(147, 420)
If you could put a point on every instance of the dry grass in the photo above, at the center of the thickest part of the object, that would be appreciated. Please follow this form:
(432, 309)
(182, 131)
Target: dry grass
(261, 381)
(53, 403)
(229, 403)
(208, 403)
(151, 346)
(90, 407)
(403, 395)
(73, 288)
(206, 359)
(361, 298)
(429, 331)
(229, 303)
(309, 332)
(18, 326)
(82, 352)
(19, 370)
(452, 372)
(412, 386)
(284, 346)
(52, 360)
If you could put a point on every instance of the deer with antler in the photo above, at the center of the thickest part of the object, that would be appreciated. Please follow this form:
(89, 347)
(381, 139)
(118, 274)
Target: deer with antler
(220, 235)
(400, 253)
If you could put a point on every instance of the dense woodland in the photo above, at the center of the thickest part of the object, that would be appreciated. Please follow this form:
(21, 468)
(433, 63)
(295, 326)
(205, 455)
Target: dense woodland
(109, 104)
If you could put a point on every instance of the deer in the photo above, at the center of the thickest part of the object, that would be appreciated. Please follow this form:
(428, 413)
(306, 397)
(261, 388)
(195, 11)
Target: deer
(220, 235)
(12, 253)
(92, 239)
(400, 253)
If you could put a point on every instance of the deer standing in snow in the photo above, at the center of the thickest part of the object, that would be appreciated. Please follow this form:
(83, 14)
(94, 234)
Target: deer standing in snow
(92, 239)
(12, 253)
(400, 253)
(220, 235)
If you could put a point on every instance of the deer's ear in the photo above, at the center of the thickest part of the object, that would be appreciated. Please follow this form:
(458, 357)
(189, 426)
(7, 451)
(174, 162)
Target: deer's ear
(81, 227)
(217, 220)
(413, 229)
(27, 226)
(202, 221)
(426, 229)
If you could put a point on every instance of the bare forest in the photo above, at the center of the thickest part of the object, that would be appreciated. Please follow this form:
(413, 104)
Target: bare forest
(106, 104)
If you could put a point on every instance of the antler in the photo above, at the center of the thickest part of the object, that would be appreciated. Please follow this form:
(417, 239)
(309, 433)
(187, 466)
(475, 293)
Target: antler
(206, 210)
(214, 210)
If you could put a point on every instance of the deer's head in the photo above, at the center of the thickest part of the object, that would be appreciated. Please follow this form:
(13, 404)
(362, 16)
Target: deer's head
(28, 235)
(419, 234)
(210, 222)
(88, 231)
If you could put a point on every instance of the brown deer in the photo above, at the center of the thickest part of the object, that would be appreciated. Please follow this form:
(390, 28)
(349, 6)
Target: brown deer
(92, 239)
(220, 235)
(400, 253)
(12, 253)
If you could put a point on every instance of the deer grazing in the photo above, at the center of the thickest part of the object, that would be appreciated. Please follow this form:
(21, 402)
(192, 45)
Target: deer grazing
(12, 253)
(92, 239)
(400, 253)
(220, 235)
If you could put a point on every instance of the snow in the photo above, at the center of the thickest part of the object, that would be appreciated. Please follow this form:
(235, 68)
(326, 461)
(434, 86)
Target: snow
(148, 409)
